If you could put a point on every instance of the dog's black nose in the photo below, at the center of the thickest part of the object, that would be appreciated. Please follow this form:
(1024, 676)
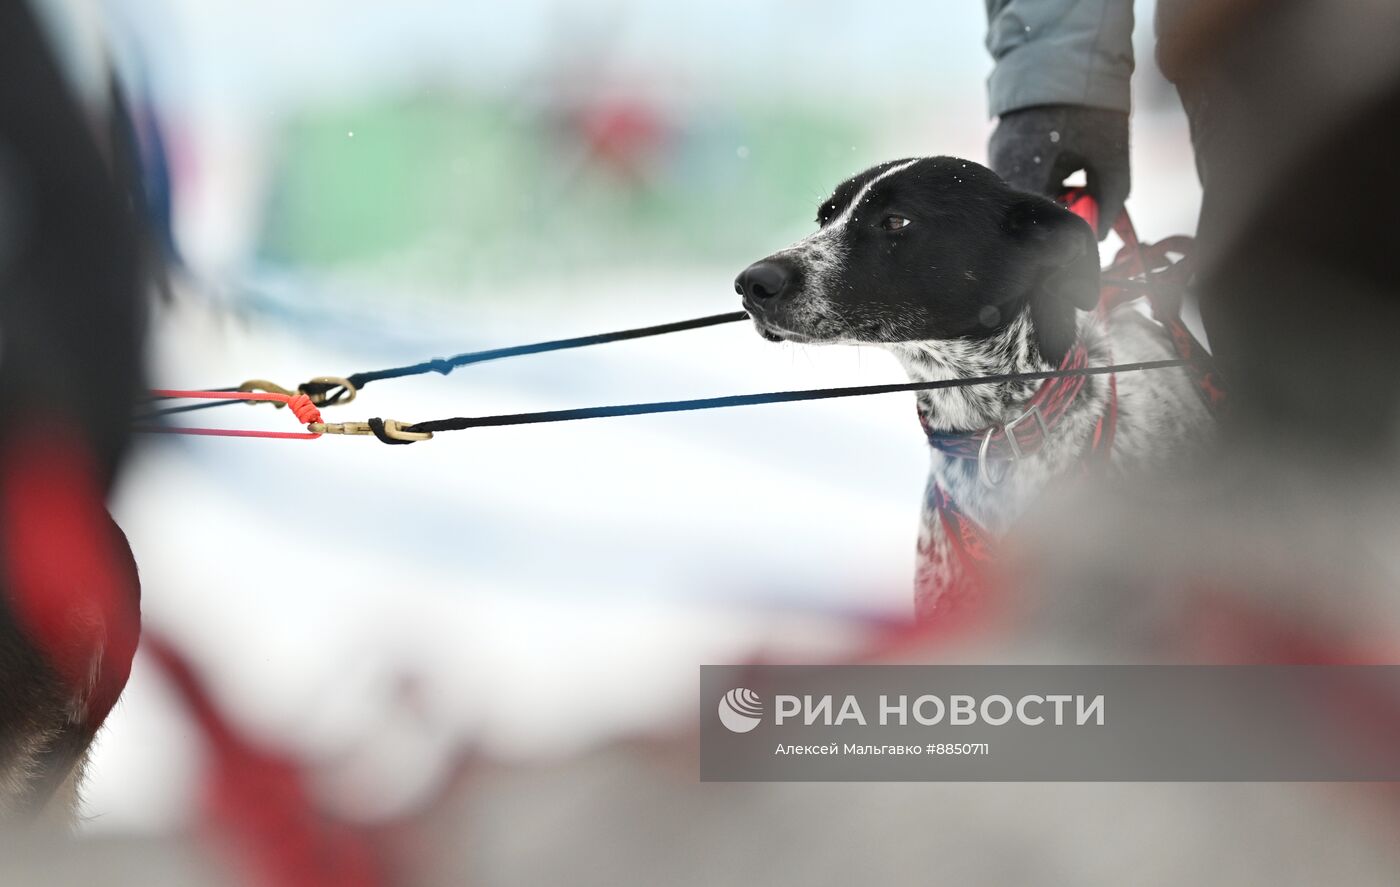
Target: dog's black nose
(762, 280)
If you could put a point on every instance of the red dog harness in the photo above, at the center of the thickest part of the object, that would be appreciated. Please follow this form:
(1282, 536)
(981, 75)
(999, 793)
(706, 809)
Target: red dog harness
(1138, 270)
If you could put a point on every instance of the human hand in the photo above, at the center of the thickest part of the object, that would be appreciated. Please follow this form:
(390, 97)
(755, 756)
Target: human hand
(1036, 149)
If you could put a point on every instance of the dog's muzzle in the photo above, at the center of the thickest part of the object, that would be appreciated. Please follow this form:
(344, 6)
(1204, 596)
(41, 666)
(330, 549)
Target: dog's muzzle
(766, 285)
(763, 282)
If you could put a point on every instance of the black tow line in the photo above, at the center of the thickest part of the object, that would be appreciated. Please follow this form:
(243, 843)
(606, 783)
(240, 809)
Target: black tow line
(325, 392)
(462, 423)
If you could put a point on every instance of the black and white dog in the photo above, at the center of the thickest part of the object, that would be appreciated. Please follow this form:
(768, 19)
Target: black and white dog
(942, 263)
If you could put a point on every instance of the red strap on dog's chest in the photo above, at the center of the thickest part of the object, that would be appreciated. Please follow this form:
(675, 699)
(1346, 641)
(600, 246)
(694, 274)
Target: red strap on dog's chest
(970, 548)
(1104, 429)
(1165, 282)
(1051, 401)
(971, 544)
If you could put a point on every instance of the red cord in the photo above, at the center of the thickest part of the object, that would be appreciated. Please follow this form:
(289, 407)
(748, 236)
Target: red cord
(300, 405)
(1080, 202)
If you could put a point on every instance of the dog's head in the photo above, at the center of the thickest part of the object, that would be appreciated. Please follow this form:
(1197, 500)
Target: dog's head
(925, 249)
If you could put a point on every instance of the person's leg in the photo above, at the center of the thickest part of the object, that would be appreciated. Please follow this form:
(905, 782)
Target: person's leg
(1298, 214)
(1304, 305)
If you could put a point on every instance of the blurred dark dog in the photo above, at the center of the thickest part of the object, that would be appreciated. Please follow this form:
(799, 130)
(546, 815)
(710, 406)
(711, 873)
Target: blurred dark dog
(74, 264)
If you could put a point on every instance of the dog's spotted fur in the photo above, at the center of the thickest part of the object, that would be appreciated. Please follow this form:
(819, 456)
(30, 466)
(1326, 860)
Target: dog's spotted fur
(983, 281)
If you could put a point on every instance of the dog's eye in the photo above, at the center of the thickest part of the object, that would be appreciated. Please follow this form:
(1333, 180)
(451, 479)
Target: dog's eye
(824, 215)
(894, 223)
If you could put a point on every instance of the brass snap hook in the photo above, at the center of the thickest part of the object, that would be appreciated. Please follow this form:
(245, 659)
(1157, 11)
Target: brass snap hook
(392, 428)
(329, 396)
(269, 387)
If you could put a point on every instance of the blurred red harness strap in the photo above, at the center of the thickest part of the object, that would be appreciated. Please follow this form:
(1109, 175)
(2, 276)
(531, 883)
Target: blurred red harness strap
(261, 803)
(69, 576)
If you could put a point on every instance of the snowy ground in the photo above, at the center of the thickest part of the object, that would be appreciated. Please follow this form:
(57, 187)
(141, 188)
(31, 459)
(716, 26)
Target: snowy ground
(547, 584)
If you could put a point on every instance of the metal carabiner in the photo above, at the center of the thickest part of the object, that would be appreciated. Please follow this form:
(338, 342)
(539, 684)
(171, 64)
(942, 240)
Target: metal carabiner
(392, 428)
(1009, 429)
(320, 398)
(323, 398)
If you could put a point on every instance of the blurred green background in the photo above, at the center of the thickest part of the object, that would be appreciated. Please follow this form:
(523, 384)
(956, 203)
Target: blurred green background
(477, 189)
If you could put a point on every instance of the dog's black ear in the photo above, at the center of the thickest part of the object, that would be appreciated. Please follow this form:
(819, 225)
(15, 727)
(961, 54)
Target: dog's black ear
(1065, 254)
(1062, 245)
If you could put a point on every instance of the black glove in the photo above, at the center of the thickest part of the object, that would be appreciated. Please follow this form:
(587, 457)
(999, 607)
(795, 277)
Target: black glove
(1036, 149)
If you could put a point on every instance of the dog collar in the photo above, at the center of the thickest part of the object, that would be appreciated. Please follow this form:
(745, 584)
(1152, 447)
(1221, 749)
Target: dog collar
(1026, 434)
